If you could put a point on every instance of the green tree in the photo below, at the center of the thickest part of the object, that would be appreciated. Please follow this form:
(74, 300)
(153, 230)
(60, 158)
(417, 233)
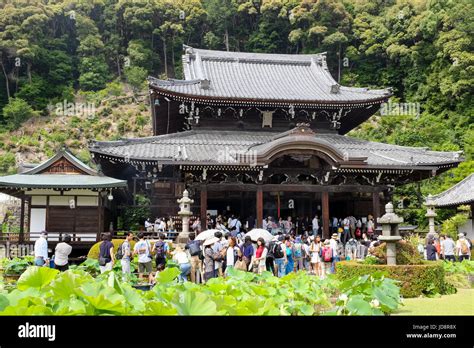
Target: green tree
(17, 111)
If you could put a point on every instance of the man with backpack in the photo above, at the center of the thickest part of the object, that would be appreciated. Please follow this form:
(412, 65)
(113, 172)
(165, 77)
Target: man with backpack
(335, 251)
(463, 248)
(124, 254)
(143, 250)
(160, 249)
(194, 248)
(278, 251)
(270, 260)
(298, 253)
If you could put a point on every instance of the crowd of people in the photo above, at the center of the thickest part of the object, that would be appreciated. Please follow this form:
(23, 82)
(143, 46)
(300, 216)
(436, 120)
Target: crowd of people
(290, 250)
(443, 247)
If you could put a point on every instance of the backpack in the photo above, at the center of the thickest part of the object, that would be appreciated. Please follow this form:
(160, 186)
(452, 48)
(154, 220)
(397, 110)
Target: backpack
(464, 247)
(160, 249)
(357, 232)
(194, 249)
(277, 252)
(327, 254)
(119, 254)
(298, 252)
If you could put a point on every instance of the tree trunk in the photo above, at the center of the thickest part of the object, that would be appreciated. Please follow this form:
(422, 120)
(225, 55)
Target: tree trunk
(6, 79)
(28, 71)
(339, 65)
(164, 57)
(119, 71)
(226, 39)
(172, 57)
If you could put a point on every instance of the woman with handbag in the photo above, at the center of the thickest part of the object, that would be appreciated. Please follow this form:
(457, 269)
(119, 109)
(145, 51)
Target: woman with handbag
(260, 256)
(232, 255)
(316, 251)
(247, 251)
(106, 253)
(209, 258)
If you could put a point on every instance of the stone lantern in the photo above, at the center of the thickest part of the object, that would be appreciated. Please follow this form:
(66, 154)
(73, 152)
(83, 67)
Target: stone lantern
(430, 214)
(185, 212)
(390, 234)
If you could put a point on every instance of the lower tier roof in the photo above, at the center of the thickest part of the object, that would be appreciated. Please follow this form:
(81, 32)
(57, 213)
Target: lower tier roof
(206, 147)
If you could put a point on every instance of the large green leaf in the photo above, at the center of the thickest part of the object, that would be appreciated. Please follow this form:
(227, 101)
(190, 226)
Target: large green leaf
(36, 277)
(167, 276)
(159, 308)
(104, 299)
(64, 285)
(194, 303)
(358, 306)
(3, 302)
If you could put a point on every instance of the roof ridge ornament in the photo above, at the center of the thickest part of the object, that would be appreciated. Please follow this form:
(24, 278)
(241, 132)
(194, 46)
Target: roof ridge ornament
(335, 88)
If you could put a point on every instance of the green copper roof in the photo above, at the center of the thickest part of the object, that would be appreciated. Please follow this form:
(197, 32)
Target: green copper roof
(60, 181)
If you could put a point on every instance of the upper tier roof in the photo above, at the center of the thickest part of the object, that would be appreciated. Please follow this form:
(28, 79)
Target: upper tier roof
(291, 78)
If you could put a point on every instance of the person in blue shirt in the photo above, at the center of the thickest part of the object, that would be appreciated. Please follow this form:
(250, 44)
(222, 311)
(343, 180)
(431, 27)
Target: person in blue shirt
(289, 255)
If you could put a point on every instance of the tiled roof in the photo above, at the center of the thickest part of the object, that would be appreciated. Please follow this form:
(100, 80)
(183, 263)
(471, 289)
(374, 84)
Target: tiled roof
(202, 147)
(262, 76)
(461, 193)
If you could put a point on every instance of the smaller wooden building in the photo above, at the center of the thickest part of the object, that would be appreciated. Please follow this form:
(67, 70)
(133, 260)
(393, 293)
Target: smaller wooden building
(62, 196)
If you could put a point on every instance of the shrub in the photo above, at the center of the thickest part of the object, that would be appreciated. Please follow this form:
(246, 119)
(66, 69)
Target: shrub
(416, 280)
(407, 254)
(94, 250)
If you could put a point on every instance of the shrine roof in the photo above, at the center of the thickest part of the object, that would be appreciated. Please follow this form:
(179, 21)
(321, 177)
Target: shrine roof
(461, 193)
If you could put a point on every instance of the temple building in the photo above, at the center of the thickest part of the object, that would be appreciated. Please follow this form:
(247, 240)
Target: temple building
(62, 196)
(264, 134)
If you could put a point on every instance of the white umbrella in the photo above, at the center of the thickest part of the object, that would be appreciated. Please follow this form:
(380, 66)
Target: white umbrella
(206, 234)
(257, 233)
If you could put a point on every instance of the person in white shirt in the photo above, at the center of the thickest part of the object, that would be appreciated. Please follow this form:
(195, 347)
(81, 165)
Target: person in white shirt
(162, 225)
(148, 225)
(335, 256)
(463, 248)
(143, 250)
(315, 224)
(235, 226)
(156, 226)
(232, 252)
(62, 252)
(126, 254)
(181, 258)
(41, 250)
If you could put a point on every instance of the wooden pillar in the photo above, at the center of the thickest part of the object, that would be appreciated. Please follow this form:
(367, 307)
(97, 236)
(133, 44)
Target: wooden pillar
(376, 206)
(22, 221)
(203, 208)
(472, 215)
(325, 209)
(259, 207)
(99, 229)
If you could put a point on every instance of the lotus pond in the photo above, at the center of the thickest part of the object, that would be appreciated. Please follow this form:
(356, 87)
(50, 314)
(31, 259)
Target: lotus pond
(46, 291)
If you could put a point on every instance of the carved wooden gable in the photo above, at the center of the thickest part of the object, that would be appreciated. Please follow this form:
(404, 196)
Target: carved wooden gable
(62, 166)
